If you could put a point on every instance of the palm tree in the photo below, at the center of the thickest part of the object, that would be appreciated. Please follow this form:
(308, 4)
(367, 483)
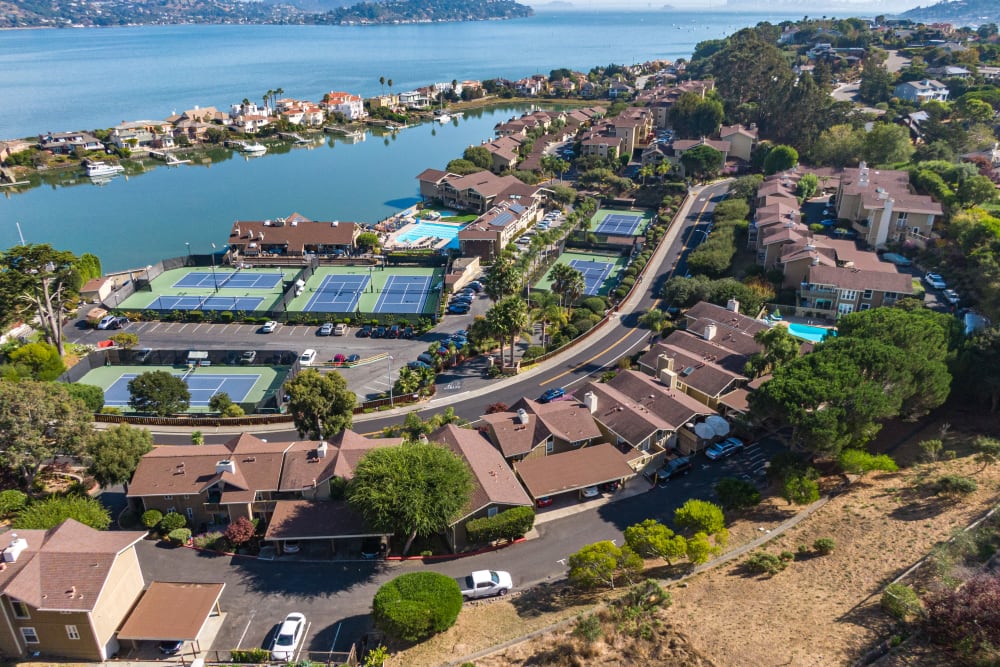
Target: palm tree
(575, 286)
(507, 319)
(381, 82)
(389, 81)
(663, 169)
(546, 311)
(568, 283)
(645, 171)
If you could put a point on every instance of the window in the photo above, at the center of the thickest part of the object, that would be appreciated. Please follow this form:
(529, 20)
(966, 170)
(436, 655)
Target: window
(168, 497)
(20, 609)
(71, 632)
(549, 446)
(492, 512)
(189, 512)
(848, 295)
(865, 306)
(29, 635)
(916, 231)
(867, 296)
(169, 510)
(901, 219)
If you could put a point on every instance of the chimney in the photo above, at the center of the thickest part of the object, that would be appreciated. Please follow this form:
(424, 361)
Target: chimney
(14, 549)
(665, 362)
(733, 305)
(226, 465)
(709, 331)
(590, 400)
(522, 416)
(668, 376)
(321, 450)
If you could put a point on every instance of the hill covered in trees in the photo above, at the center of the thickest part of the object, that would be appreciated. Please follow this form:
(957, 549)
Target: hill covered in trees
(424, 11)
(959, 12)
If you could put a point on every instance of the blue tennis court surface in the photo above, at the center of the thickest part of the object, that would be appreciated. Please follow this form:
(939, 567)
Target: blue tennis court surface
(231, 279)
(619, 225)
(206, 303)
(338, 294)
(202, 387)
(594, 274)
(403, 294)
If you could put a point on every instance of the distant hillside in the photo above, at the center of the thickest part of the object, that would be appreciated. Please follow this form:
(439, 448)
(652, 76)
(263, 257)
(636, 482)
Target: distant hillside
(424, 11)
(959, 12)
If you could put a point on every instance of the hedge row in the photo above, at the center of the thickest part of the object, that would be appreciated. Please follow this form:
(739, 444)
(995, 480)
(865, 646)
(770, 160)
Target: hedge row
(508, 525)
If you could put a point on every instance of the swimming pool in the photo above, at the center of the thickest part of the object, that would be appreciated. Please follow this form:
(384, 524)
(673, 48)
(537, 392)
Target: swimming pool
(424, 229)
(810, 333)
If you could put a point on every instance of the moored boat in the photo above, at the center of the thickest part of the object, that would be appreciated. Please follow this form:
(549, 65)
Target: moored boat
(98, 169)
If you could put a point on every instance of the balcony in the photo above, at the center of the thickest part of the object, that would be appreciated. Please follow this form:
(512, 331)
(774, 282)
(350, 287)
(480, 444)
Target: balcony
(809, 290)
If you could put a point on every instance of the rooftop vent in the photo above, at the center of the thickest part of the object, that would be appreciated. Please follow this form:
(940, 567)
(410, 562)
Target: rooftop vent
(14, 549)
(321, 450)
(226, 465)
(522, 416)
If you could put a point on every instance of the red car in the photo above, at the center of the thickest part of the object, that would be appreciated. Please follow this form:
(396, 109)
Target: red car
(544, 501)
(339, 359)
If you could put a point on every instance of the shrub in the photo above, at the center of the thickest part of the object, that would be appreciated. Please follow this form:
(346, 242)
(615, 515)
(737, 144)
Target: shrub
(240, 531)
(250, 655)
(737, 493)
(172, 521)
(786, 556)
(507, 525)
(594, 304)
(800, 490)
(931, 449)
(900, 601)
(700, 516)
(603, 564)
(761, 562)
(214, 540)
(588, 628)
(532, 352)
(955, 485)
(416, 605)
(12, 501)
(824, 546)
(967, 618)
(859, 462)
(179, 535)
(152, 518)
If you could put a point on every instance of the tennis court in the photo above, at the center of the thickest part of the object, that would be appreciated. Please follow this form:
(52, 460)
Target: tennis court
(202, 388)
(594, 274)
(618, 224)
(206, 303)
(230, 279)
(403, 294)
(338, 294)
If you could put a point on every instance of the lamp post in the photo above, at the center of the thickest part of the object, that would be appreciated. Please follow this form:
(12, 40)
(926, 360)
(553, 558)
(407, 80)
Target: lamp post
(214, 279)
(699, 231)
(188, 244)
(388, 360)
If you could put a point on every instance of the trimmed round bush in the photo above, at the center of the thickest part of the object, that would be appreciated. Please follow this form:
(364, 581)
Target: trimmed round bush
(417, 605)
(152, 518)
(172, 521)
(824, 546)
(179, 536)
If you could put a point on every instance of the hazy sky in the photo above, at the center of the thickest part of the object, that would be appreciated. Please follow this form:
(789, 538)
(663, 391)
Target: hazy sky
(828, 8)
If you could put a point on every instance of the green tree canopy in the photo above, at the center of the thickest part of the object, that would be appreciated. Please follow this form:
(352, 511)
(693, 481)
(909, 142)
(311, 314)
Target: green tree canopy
(702, 162)
(417, 605)
(838, 146)
(415, 489)
(115, 453)
(38, 421)
(508, 318)
(603, 564)
(159, 393)
(39, 278)
(38, 361)
(651, 539)
(887, 144)
(503, 278)
(320, 404)
(700, 516)
(479, 156)
(780, 158)
(693, 116)
(52, 511)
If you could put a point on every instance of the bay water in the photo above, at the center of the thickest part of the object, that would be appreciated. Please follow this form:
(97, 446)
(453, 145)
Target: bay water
(59, 80)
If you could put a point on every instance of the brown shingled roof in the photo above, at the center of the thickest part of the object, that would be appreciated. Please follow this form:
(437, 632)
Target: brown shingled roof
(315, 520)
(569, 471)
(155, 616)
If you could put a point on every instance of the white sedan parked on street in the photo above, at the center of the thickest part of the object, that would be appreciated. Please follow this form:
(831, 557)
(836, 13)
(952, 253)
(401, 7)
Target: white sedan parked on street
(935, 280)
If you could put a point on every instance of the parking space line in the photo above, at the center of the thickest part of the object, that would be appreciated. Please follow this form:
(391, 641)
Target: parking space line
(247, 628)
(183, 327)
(336, 635)
(305, 634)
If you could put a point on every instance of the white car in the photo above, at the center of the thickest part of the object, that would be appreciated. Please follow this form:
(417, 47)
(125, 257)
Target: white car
(484, 583)
(269, 327)
(288, 637)
(308, 357)
(951, 296)
(935, 280)
(340, 329)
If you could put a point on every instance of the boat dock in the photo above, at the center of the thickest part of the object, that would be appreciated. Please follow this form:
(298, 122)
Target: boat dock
(293, 136)
(169, 158)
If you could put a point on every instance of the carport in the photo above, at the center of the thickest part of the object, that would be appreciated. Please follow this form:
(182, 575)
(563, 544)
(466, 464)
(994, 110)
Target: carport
(174, 611)
(571, 471)
(332, 524)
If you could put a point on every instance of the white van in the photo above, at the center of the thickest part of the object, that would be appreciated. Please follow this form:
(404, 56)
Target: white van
(307, 357)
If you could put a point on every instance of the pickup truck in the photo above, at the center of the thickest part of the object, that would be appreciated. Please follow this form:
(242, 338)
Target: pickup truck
(484, 583)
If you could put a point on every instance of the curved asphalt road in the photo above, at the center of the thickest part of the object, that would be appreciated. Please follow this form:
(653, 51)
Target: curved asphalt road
(603, 350)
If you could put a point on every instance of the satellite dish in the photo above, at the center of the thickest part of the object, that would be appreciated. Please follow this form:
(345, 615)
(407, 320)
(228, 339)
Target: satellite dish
(719, 425)
(704, 431)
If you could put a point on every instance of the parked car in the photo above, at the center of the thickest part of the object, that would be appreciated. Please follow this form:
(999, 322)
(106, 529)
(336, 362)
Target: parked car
(269, 327)
(721, 450)
(394, 331)
(308, 357)
(248, 357)
(365, 331)
(673, 468)
(288, 637)
(610, 487)
(417, 365)
(463, 333)
(378, 332)
(291, 546)
(353, 358)
(935, 280)
(425, 357)
(458, 308)
(339, 358)
(407, 332)
(476, 286)
(326, 329)
(544, 501)
(484, 583)
(340, 329)
(589, 492)
(951, 296)
(552, 394)
(112, 322)
(171, 646)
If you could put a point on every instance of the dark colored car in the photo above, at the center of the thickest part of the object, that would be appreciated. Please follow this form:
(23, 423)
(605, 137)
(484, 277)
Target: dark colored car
(463, 333)
(171, 646)
(476, 286)
(353, 358)
(425, 357)
(407, 332)
(379, 332)
(552, 394)
(394, 331)
(462, 299)
(673, 468)
(416, 365)
(365, 331)
(458, 308)
(610, 487)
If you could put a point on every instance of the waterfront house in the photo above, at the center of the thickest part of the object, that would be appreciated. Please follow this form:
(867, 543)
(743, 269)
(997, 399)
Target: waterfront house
(68, 143)
(503, 153)
(292, 236)
(414, 99)
(65, 591)
(143, 134)
(477, 192)
(349, 106)
(490, 233)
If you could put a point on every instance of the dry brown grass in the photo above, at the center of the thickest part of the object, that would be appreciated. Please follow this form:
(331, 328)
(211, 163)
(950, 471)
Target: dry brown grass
(818, 611)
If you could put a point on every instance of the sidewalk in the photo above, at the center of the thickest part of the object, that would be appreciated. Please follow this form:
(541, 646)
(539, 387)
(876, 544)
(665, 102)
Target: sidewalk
(658, 264)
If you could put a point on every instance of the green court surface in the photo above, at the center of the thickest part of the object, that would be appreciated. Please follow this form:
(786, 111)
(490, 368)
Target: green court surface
(620, 222)
(347, 290)
(244, 384)
(611, 271)
(202, 288)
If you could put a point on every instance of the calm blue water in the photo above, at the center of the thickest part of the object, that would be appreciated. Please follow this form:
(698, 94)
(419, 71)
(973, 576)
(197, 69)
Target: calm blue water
(439, 229)
(55, 80)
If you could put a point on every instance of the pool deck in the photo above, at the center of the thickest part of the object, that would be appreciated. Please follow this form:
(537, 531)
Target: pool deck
(392, 241)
